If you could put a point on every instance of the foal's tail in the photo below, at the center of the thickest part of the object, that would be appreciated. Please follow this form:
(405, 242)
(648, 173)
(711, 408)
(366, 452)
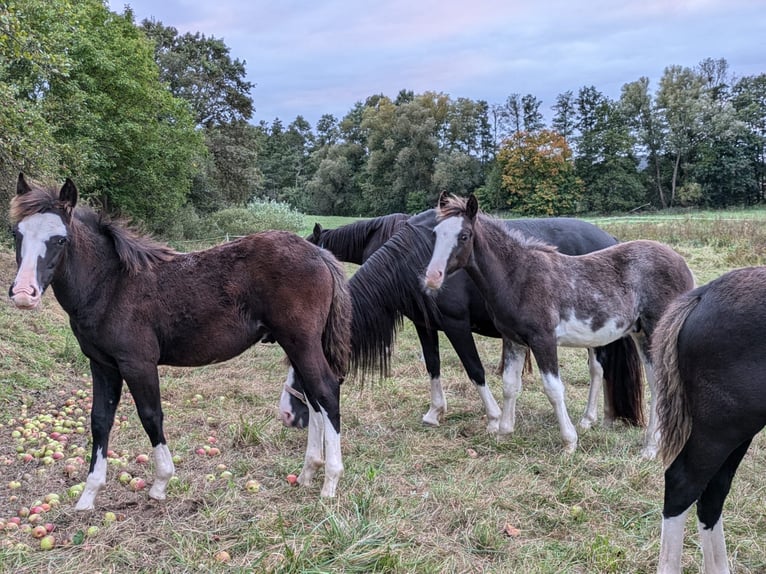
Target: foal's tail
(623, 380)
(674, 416)
(336, 337)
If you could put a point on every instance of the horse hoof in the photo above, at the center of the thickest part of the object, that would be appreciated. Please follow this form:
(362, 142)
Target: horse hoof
(493, 427)
(649, 453)
(430, 422)
(585, 424)
(570, 448)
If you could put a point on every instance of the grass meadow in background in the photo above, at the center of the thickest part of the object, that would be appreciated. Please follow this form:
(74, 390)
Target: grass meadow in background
(413, 498)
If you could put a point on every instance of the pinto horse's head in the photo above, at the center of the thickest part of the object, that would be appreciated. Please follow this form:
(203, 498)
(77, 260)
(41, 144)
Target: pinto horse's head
(41, 234)
(293, 406)
(453, 235)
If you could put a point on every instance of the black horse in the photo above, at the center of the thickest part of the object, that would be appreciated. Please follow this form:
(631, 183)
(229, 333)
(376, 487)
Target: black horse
(388, 287)
(709, 354)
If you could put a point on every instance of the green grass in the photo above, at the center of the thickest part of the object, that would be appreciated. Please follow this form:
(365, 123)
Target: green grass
(413, 499)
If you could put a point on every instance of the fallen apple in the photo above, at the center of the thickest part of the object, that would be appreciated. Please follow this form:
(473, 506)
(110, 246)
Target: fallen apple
(47, 542)
(292, 479)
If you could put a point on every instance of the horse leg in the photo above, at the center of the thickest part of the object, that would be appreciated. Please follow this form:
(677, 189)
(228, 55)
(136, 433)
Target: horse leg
(709, 508)
(322, 390)
(144, 384)
(465, 347)
(652, 439)
(590, 416)
(514, 361)
(107, 388)
(429, 343)
(547, 363)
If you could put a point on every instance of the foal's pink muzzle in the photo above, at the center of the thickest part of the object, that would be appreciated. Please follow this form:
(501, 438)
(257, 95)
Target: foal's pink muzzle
(24, 293)
(434, 279)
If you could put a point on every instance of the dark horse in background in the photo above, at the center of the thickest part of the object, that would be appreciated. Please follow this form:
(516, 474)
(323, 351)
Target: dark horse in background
(710, 359)
(541, 299)
(388, 286)
(134, 304)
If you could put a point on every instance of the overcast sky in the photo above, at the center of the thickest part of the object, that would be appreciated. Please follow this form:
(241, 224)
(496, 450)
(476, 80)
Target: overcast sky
(317, 57)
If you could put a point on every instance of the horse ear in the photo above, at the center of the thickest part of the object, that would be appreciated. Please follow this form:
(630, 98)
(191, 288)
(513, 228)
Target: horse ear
(443, 197)
(22, 186)
(68, 194)
(472, 206)
(317, 229)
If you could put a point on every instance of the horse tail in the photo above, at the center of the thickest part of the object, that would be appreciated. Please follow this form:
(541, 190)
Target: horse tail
(674, 415)
(526, 370)
(623, 380)
(336, 336)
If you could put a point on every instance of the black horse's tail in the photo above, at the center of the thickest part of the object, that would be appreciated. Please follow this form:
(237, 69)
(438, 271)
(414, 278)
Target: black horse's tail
(336, 336)
(623, 380)
(674, 417)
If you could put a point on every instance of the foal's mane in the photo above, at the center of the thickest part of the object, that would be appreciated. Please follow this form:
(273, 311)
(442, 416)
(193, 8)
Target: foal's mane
(455, 206)
(136, 251)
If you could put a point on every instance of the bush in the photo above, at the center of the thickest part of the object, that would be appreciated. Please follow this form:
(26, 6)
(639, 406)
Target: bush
(257, 216)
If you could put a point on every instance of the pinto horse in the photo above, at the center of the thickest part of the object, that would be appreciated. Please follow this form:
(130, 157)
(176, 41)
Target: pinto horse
(540, 298)
(709, 354)
(134, 303)
(388, 286)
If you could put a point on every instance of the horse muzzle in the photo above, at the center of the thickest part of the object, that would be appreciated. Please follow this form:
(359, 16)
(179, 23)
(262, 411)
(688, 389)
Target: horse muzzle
(25, 297)
(434, 279)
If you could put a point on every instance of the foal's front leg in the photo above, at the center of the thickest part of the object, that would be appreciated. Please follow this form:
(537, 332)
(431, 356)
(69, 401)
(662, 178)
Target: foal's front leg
(144, 384)
(107, 388)
(514, 357)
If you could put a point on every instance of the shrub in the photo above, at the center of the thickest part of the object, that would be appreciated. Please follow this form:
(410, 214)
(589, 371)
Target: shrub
(257, 216)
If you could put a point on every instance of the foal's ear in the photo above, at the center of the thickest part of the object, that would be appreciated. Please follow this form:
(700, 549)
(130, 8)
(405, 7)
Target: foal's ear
(443, 198)
(68, 194)
(22, 186)
(472, 207)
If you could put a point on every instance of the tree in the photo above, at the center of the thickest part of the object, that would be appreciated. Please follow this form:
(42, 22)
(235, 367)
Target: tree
(199, 70)
(538, 174)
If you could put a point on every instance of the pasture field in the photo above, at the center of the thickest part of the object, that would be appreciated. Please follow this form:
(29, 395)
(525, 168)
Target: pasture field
(413, 499)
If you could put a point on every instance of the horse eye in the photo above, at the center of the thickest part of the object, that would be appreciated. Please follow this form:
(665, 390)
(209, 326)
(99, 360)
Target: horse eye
(61, 241)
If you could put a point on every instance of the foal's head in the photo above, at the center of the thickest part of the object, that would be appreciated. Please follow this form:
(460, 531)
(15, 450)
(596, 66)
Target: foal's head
(40, 219)
(453, 237)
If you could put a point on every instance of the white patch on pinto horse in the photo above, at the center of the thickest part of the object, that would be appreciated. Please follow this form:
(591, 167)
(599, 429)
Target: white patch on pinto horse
(580, 333)
(322, 437)
(94, 482)
(36, 230)
(446, 233)
(164, 470)
(671, 544)
(438, 404)
(286, 414)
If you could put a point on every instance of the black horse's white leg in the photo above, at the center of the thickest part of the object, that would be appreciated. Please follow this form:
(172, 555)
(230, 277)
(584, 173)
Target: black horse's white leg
(314, 458)
(514, 357)
(144, 385)
(465, 347)
(429, 343)
(107, 388)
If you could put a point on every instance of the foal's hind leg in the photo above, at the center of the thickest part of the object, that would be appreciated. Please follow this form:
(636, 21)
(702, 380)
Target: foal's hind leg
(547, 363)
(514, 357)
(652, 439)
(107, 388)
(590, 416)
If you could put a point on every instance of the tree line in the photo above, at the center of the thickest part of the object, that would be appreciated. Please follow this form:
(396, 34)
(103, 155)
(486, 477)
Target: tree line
(157, 125)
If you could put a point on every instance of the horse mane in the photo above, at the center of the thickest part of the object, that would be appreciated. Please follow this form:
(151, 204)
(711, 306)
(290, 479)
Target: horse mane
(351, 240)
(455, 206)
(136, 251)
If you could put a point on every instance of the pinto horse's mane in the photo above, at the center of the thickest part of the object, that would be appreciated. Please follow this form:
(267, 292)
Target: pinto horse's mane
(136, 251)
(455, 206)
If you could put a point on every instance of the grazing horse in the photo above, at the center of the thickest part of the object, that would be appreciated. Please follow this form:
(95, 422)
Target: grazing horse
(709, 354)
(356, 241)
(540, 298)
(388, 287)
(134, 303)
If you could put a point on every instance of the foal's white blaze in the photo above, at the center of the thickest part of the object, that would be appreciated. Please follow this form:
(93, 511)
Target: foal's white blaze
(446, 233)
(94, 482)
(671, 544)
(36, 230)
(575, 332)
(163, 471)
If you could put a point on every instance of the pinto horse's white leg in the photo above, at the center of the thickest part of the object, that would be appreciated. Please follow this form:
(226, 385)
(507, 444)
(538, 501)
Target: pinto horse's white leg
(333, 468)
(671, 544)
(513, 365)
(438, 404)
(652, 440)
(163, 471)
(554, 390)
(93, 483)
(713, 544)
(490, 407)
(590, 416)
(313, 459)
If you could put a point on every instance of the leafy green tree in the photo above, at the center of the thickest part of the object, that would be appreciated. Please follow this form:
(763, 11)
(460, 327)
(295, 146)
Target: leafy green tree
(200, 70)
(538, 174)
(749, 101)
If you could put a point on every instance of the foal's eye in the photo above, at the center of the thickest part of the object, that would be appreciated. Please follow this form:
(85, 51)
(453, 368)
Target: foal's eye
(62, 241)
